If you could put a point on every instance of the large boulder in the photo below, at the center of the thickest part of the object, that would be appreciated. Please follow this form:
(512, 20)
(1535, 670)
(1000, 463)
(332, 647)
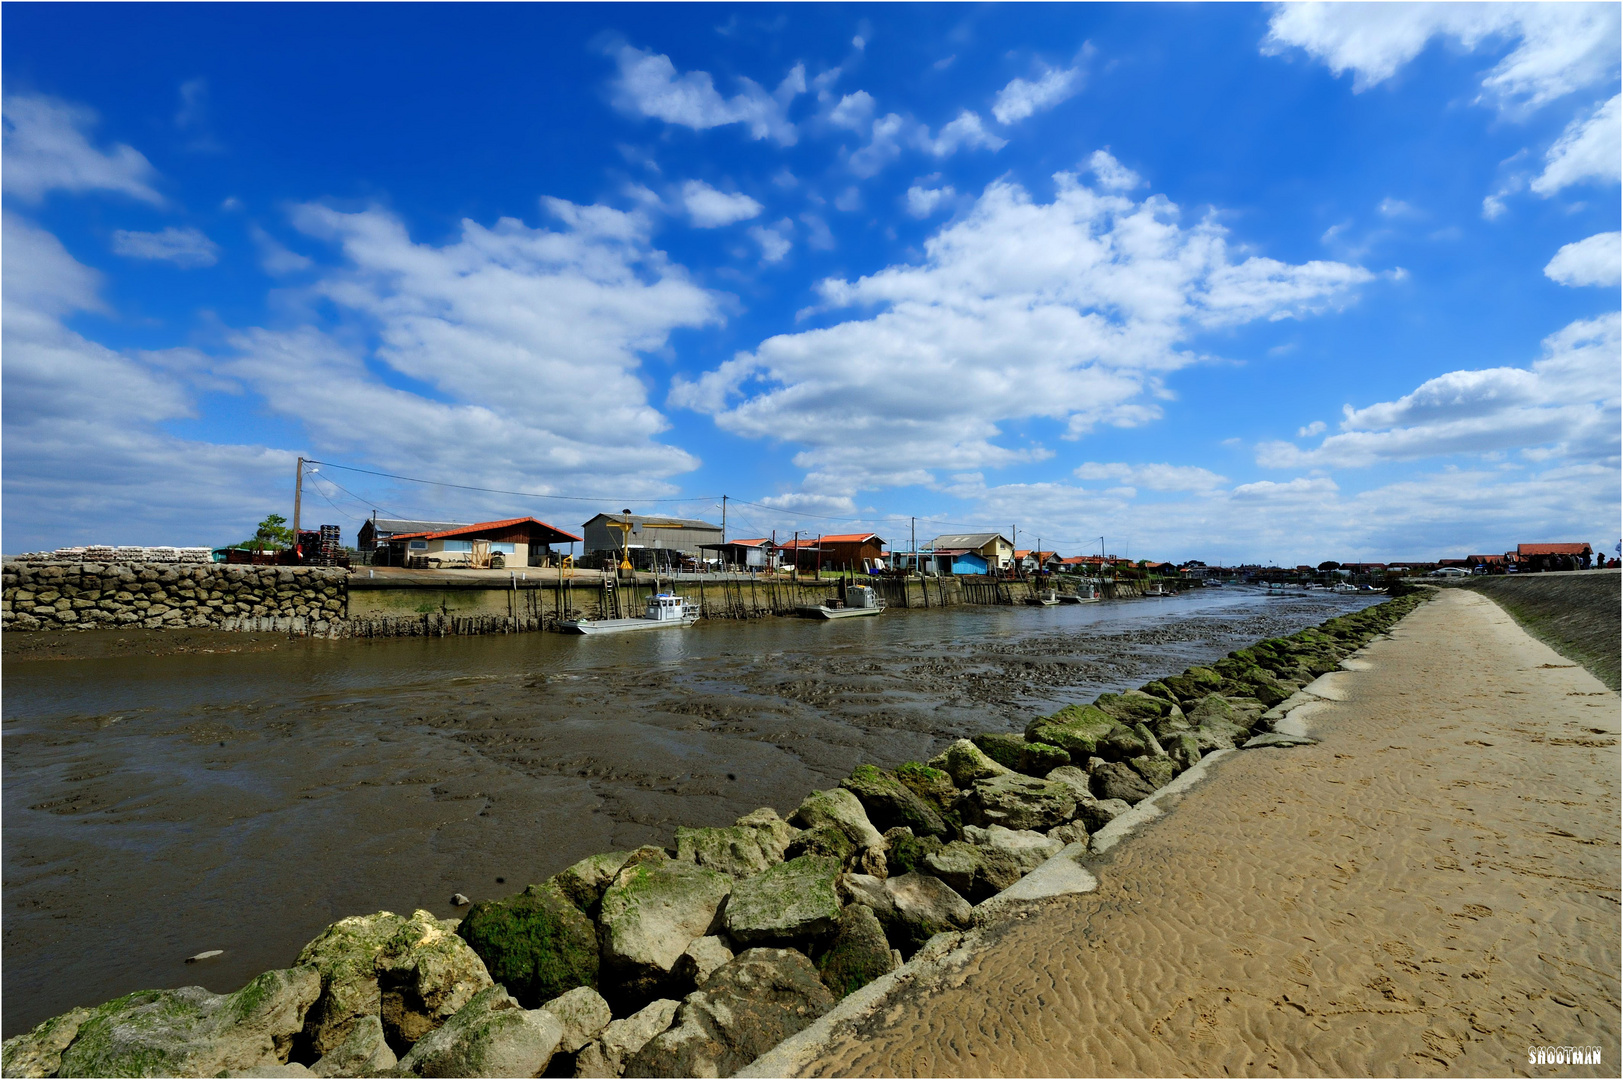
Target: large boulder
(584, 882)
(1072, 832)
(1101, 812)
(889, 803)
(191, 1032)
(1073, 778)
(841, 809)
(537, 944)
(1184, 749)
(607, 1055)
(1117, 780)
(791, 902)
(966, 763)
(826, 841)
(772, 831)
(905, 852)
(426, 973)
(1021, 802)
(492, 1035)
(921, 906)
(1020, 754)
(1134, 705)
(364, 1052)
(1028, 849)
(933, 785)
(972, 871)
(346, 955)
(735, 850)
(583, 1014)
(1158, 772)
(1194, 684)
(39, 1052)
(761, 998)
(1218, 724)
(700, 960)
(650, 914)
(1079, 730)
(858, 954)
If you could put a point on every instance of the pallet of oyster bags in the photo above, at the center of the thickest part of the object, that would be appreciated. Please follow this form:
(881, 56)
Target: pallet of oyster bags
(196, 554)
(130, 554)
(162, 554)
(98, 553)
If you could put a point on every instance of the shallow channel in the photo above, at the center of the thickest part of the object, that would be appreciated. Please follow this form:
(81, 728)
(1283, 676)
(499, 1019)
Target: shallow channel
(159, 806)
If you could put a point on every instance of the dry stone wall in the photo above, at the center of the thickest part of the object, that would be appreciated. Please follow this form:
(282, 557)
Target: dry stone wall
(85, 595)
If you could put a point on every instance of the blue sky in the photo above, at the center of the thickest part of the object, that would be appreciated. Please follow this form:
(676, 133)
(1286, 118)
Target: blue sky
(1221, 282)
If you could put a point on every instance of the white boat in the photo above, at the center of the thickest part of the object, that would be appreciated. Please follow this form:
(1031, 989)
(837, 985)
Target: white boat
(1047, 599)
(666, 611)
(859, 600)
(1155, 590)
(1085, 594)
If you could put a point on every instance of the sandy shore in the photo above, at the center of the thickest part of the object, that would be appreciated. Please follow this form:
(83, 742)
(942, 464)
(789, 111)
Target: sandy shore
(1432, 889)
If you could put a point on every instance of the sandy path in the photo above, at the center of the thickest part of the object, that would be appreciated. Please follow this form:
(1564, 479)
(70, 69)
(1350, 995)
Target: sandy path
(1432, 889)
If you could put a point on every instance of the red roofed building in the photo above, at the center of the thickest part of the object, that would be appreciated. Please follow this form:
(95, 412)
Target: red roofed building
(1553, 556)
(520, 541)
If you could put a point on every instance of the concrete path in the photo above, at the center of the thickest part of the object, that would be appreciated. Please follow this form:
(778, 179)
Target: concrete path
(1432, 889)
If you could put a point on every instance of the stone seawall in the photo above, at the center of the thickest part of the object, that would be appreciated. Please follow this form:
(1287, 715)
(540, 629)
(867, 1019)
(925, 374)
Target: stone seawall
(325, 602)
(77, 596)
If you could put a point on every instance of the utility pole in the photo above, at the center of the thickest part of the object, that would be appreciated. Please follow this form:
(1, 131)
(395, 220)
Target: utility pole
(298, 495)
(724, 532)
(913, 540)
(1014, 538)
(797, 555)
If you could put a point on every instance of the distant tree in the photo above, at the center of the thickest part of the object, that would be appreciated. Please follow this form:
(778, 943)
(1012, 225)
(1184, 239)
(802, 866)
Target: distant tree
(1329, 564)
(272, 534)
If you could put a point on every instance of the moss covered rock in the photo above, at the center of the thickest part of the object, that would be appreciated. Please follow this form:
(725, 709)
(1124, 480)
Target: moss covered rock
(966, 763)
(536, 944)
(906, 852)
(584, 882)
(1022, 802)
(1076, 729)
(426, 973)
(826, 841)
(649, 915)
(889, 803)
(858, 954)
(1134, 705)
(39, 1052)
(1158, 772)
(346, 955)
(1193, 684)
(843, 810)
(794, 901)
(491, 1035)
(191, 1032)
(734, 850)
(1020, 754)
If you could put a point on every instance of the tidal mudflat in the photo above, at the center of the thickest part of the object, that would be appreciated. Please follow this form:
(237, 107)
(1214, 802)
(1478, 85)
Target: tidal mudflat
(162, 800)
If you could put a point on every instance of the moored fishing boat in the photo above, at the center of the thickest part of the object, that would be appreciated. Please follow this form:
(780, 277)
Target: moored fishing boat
(857, 600)
(666, 611)
(1047, 599)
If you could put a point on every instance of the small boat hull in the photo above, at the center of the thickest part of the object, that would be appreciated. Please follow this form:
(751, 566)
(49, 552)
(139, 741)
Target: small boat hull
(623, 626)
(1079, 599)
(823, 611)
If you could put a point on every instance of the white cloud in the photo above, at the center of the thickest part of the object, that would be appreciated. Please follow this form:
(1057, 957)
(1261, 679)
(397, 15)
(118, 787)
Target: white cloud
(274, 257)
(964, 131)
(849, 200)
(1560, 48)
(648, 84)
(1307, 431)
(86, 457)
(1595, 261)
(1021, 98)
(818, 235)
(1591, 148)
(47, 149)
(1112, 174)
(854, 111)
(774, 239)
(1396, 208)
(922, 201)
(1070, 310)
(187, 247)
(1160, 477)
(1565, 404)
(709, 209)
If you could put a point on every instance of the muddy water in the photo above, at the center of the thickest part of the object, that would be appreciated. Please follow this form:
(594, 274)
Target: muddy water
(159, 806)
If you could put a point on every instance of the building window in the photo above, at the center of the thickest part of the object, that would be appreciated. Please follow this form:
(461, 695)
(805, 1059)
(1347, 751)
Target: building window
(417, 545)
(466, 546)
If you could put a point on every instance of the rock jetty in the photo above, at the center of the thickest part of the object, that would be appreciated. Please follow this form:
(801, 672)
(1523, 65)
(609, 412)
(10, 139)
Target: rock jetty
(696, 960)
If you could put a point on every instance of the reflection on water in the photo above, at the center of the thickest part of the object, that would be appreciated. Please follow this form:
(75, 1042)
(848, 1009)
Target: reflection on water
(156, 807)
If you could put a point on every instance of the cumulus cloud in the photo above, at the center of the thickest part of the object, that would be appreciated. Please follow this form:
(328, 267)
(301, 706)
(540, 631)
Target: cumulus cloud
(87, 459)
(1560, 48)
(274, 257)
(709, 209)
(1595, 261)
(922, 201)
(188, 248)
(1112, 174)
(1070, 310)
(47, 148)
(648, 84)
(1161, 477)
(891, 134)
(1021, 98)
(502, 324)
(1591, 148)
(774, 239)
(1566, 405)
